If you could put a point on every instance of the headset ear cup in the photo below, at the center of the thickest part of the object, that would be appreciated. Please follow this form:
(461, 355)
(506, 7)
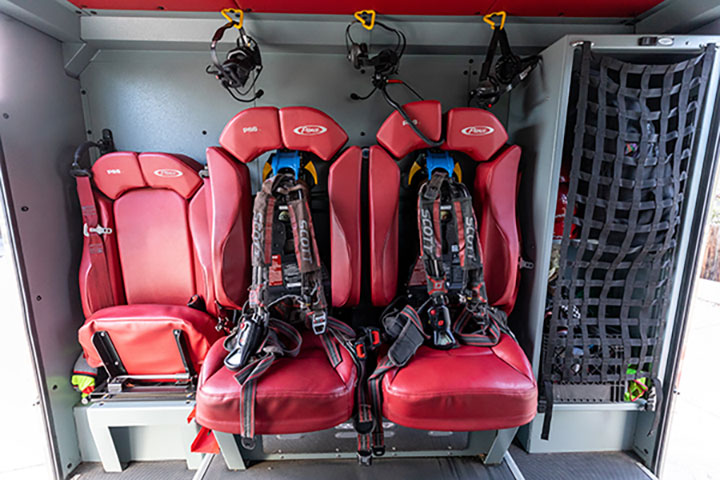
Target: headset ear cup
(238, 67)
(358, 53)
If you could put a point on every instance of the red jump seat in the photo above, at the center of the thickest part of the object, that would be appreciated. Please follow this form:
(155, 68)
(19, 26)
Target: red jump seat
(466, 388)
(303, 393)
(157, 251)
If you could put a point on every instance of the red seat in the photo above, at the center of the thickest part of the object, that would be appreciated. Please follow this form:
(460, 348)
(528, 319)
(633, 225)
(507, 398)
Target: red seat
(304, 393)
(466, 388)
(299, 394)
(158, 255)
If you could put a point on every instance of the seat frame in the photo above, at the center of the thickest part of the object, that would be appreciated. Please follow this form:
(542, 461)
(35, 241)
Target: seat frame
(490, 445)
(118, 385)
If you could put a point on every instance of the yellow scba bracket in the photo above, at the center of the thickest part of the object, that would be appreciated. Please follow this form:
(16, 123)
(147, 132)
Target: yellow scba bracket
(310, 167)
(267, 171)
(362, 17)
(458, 172)
(489, 19)
(228, 13)
(415, 168)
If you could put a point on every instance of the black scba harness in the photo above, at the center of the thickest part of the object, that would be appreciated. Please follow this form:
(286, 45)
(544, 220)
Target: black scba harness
(266, 328)
(454, 289)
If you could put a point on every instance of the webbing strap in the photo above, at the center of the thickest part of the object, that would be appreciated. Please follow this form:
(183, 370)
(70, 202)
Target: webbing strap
(99, 289)
(488, 325)
(285, 189)
(282, 340)
(407, 330)
(405, 327)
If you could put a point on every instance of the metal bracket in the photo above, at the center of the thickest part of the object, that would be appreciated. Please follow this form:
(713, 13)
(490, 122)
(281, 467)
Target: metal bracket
(181, 343)
(100, 230)
(108, 354)
(525, 264)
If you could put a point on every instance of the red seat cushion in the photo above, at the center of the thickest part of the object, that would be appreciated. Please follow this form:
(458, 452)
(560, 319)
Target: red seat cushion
(300, 394)
(464, 389)
(143, 336)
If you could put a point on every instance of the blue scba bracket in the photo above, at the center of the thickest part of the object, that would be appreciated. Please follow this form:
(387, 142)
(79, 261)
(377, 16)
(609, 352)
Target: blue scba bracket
(441, 160)
(286, 161)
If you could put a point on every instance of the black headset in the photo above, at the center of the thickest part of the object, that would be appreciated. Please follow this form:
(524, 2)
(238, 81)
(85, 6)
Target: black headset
(242, 64)
(385, 64)
(509, 69)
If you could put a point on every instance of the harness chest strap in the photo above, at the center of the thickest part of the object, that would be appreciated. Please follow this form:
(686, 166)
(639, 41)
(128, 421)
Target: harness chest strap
(99, 292)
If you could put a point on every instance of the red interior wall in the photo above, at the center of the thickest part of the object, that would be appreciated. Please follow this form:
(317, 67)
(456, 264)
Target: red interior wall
(529, 8)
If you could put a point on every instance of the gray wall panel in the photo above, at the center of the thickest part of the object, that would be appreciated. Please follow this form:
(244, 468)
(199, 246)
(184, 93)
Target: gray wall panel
(43, 125)
(165, 100)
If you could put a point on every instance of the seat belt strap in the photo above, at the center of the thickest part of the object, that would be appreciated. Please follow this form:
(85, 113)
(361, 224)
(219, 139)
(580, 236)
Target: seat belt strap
(99, 288)
(282, 340)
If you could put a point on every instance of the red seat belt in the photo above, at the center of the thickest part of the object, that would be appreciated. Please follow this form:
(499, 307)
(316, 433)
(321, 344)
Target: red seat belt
(99, 292)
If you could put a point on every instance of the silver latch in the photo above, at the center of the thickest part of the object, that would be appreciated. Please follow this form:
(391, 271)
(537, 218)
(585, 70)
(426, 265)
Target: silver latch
(319, 322)
(525, 264)
(100, 230)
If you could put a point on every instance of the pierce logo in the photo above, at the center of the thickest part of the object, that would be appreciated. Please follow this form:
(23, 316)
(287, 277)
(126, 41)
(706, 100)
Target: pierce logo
(309, 130)
(253, 129)
(113, 171)
(477, 131)
(168, 173)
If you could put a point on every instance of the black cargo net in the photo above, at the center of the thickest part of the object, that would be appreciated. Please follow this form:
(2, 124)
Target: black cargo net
(629, 154)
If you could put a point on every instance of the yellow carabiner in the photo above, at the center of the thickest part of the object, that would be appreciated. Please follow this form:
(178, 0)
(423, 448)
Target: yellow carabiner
(361, 16)
(489, 19)
(226, 12)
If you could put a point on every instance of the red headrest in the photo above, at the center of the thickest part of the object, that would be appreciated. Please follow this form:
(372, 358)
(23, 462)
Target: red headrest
(308, 129)
(399, 139)
(255, 131)
(175, 172)
(251, 133)
(116, 173)
(475, 132)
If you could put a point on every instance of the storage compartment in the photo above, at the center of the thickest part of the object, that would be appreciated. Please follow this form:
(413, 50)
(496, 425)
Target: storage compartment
(630, 142)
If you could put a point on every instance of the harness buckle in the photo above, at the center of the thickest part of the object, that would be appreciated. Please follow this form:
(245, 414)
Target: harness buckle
(100, 230)
(319, 322)
(440, 323)
(360, 350)
(364, 458)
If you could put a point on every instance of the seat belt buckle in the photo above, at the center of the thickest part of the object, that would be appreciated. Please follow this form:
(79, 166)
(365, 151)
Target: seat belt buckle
(375, 339)
(318, 322)
(100, 230)
(360, 350)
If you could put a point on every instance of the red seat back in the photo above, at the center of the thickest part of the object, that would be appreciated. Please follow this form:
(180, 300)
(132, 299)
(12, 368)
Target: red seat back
(258, 130)
(478, 135)
(154, 204)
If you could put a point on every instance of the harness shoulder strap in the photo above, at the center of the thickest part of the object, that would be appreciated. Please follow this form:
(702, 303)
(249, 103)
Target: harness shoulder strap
(99, 292)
